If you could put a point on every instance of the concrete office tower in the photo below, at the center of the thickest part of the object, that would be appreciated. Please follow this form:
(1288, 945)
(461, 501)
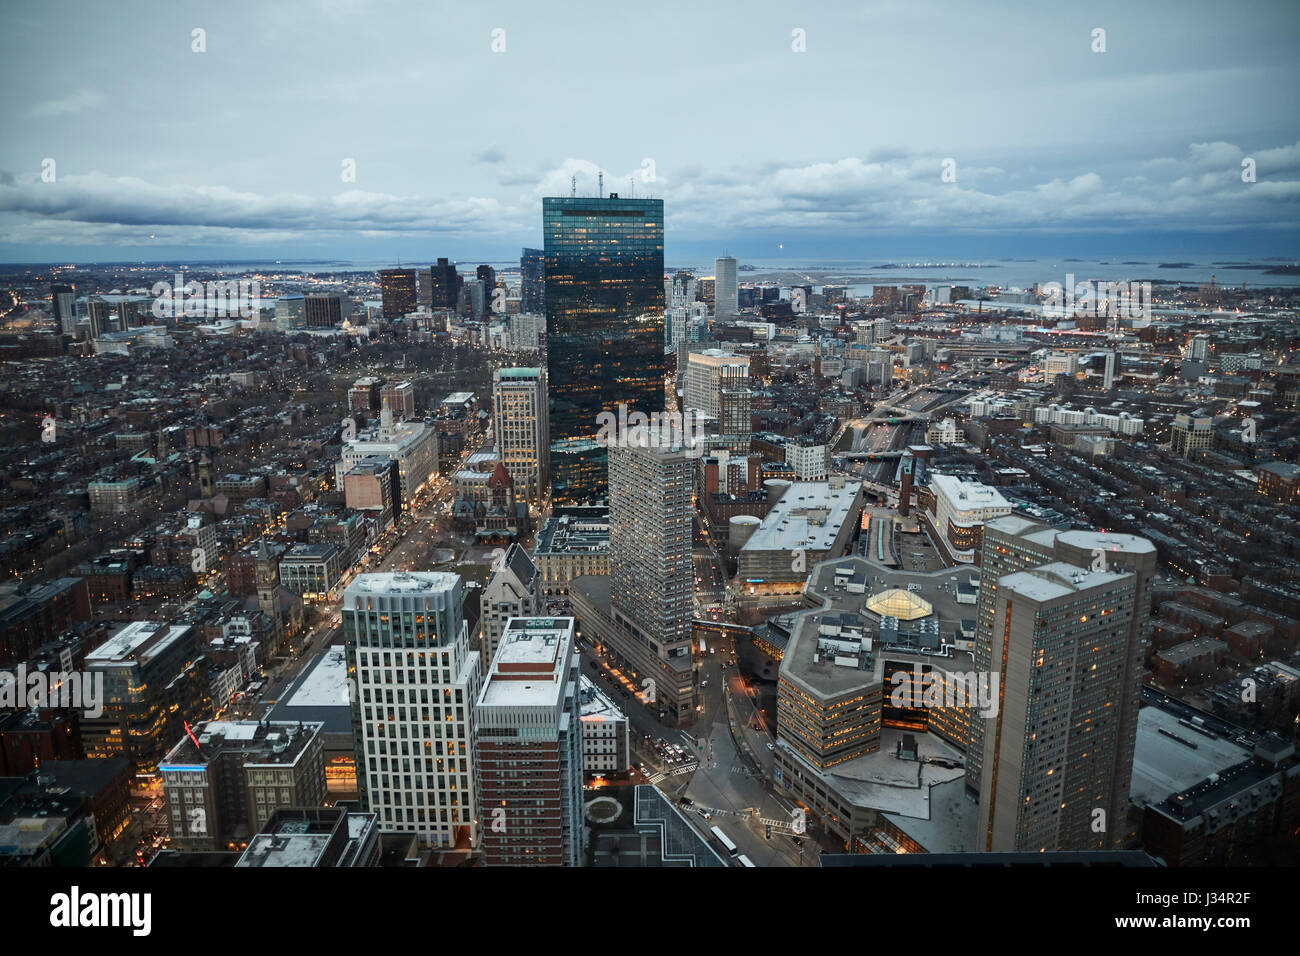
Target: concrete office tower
(519, 423)
(604, 328)
(64, 299)
(650, 483)
(1013, 544)
(1191, 432)
(1108, 377)
(1061, 642)
(413, 679)
(708, 373)
(724, 287)
(528, 747)
(326, 310)
(397, 287)
(100, 315)
(675, 320)
(716, 386)
(680, 290)
(1198, 350)
(511, 591)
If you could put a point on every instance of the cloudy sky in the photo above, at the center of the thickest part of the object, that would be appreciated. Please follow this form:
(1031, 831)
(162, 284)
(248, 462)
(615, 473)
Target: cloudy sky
(243, 150)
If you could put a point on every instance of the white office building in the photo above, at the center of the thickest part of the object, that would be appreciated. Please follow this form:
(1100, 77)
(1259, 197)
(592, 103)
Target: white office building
(413, 682)
(1058, 363)
(413, 445)
(810, 462)
(960, 510)
(724, 287)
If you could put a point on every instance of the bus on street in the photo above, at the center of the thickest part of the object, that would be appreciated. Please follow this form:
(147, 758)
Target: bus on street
(724, 840)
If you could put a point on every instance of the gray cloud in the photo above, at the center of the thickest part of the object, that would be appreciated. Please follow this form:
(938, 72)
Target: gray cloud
(242, 144)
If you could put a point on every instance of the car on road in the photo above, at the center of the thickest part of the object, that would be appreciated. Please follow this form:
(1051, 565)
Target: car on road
(771, 746)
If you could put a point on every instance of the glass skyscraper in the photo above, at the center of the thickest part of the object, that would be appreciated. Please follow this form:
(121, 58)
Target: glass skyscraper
(532, 270)
(604, 328)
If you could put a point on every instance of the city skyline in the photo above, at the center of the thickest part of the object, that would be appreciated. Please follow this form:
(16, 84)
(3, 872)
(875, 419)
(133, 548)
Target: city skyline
(458, 437)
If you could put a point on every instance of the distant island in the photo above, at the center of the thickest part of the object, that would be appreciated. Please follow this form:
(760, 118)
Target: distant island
(938, 265)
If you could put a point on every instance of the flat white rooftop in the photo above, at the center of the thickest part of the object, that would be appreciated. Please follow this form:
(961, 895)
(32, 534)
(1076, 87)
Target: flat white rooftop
(1055, 580)
(402, 582)
(1165, 765)
(230, 729)
(326, 683)
(966, 495)
(787, 525)
(544, 646)
(594, 704)
(529, 647)
(128, 642)
(1107, 541)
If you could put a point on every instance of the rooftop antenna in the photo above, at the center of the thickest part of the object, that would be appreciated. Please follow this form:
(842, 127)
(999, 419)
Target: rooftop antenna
(573, 187)
(600, 184)
(631, 186)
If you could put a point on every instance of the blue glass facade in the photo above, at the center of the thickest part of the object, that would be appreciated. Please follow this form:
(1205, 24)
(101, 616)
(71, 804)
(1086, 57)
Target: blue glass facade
(604, 328)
